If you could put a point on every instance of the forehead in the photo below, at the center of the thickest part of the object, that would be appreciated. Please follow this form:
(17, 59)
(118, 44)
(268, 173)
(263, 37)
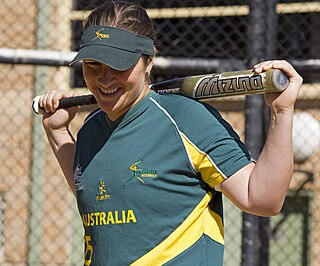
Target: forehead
(140, 62)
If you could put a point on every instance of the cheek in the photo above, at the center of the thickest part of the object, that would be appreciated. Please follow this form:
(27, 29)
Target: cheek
(88, 74)
(135, 84)
(135, 78)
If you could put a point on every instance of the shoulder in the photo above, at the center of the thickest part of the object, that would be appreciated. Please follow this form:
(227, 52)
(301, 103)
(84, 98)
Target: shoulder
(197, 118)
(182, 107)
(178, 104)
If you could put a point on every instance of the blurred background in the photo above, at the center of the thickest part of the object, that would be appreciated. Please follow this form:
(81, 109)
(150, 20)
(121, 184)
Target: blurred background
(39, 222)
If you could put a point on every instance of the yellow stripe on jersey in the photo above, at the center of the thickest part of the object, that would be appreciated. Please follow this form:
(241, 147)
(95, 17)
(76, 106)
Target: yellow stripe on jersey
(203, 164)
(201, 221)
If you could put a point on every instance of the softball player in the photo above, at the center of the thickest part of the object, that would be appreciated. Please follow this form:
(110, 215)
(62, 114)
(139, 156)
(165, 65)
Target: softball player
(149, 170)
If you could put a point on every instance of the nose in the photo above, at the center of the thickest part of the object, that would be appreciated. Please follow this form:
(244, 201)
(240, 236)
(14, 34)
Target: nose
(106, 76)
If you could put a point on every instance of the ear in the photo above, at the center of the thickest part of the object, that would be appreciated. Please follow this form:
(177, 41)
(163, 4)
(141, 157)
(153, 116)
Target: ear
(150, 64)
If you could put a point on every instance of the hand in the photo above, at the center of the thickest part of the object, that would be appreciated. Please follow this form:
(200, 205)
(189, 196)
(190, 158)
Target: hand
(284, 101)
(53, 118)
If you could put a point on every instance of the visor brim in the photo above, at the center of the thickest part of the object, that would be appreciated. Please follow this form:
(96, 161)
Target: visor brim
(115, 58)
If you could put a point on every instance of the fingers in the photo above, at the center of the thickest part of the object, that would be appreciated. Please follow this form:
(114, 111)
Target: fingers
(284, 101)
(278, 64)
(50, 100)
(266, 65)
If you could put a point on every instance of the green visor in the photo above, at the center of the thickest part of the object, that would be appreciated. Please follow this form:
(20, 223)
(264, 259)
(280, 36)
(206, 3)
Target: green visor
(115, 47)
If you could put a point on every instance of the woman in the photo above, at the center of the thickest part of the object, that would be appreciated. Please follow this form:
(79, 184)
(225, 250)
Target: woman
(149, 170)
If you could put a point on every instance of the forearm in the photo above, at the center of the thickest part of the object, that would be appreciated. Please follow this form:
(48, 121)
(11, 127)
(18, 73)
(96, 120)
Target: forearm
(63, 146)
(270, 178)
(261, 188)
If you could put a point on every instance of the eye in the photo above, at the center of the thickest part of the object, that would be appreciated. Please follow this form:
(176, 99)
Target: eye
(93, 64)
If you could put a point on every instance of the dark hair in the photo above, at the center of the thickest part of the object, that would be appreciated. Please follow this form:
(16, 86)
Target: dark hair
(121, 14)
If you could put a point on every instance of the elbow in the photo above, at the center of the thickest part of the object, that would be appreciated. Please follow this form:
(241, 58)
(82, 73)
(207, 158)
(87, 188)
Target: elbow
(267, 205)
(265, 210)
(277, 208)
(272, 212)
(274, 207)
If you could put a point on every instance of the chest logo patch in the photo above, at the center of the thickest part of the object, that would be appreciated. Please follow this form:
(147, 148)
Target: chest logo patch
(141, 173)
(102, 193)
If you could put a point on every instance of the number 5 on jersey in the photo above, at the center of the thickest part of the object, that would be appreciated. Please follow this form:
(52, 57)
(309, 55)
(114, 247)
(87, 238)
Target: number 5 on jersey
(88, 251)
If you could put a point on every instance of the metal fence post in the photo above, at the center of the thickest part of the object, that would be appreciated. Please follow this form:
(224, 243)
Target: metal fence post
(38, 147)
(254, 134)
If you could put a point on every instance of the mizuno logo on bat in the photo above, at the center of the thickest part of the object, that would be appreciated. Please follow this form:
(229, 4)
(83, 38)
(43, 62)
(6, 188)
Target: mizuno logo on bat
(214, 85)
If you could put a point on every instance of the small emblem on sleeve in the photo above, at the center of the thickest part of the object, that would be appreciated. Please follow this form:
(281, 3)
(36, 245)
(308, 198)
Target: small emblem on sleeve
(77, 174)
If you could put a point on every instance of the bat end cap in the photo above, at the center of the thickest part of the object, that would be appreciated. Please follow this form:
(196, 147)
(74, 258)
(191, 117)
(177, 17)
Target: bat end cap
(280, 80)
(35, 105)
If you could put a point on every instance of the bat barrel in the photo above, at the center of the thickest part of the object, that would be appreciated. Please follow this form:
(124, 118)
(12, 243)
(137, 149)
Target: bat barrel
(225, 84)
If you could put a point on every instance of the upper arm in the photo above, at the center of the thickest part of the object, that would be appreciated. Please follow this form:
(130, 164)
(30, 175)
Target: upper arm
(236, 187)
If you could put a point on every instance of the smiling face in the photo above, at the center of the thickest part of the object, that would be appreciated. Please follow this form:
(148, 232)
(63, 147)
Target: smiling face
(117, 91)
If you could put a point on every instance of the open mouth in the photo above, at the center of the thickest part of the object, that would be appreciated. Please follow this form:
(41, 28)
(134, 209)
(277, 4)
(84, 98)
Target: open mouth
(109, 92)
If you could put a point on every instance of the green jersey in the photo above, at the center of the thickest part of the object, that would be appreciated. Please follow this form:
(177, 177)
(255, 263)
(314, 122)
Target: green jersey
(145, 184)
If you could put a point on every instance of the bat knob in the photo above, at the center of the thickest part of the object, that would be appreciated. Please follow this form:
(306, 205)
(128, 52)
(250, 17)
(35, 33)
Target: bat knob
(35, 105)
(279, 80)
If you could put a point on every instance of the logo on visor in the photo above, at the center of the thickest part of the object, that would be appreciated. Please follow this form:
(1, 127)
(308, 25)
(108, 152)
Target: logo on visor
(100, 35)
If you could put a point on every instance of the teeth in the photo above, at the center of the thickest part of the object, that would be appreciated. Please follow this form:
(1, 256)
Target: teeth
(108, 91)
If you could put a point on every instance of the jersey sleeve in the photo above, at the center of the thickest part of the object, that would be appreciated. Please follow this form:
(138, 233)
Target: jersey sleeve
(225, 152)
(215, 149)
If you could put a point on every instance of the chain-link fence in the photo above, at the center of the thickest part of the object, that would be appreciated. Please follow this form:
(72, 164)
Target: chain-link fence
(39, 224)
